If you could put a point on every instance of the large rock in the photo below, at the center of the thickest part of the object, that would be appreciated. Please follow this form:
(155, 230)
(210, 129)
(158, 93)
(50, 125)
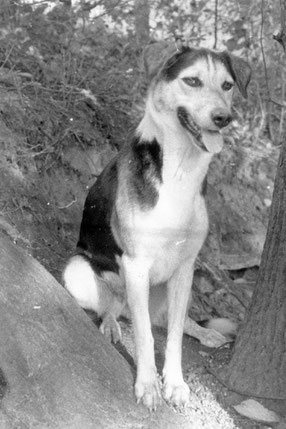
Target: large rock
(57, 370)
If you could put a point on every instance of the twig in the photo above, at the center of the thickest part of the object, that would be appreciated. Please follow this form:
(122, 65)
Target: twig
(268, 123)
(107, 10)
(262, 49)
(36, 2)
(277, 103)
(261, 116)
(8, 55)
(68, 205)
(215, 24)
(282, 114)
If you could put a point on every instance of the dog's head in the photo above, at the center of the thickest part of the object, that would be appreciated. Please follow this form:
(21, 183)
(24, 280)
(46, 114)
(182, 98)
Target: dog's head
(197, 85)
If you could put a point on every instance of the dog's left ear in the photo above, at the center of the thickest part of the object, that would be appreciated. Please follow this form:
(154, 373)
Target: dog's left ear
(155, 55)
(240, 71)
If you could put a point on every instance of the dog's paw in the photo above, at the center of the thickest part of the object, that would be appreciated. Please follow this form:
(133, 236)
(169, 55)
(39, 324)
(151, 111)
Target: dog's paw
(176, 393)
(212, 338)
(110, 328)
(149, 393)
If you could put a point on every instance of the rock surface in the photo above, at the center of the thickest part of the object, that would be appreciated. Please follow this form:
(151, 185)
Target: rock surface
(57, 370)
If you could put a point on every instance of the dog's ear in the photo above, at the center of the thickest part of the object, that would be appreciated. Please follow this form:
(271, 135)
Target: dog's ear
(155, 56)
(240, 71)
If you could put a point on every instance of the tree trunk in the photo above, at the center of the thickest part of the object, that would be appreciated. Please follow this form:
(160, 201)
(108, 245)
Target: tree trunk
(141, 16)
(258, 365)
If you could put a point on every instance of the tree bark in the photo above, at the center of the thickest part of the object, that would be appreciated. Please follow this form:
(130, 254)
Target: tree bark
(141, 16)
(258, 365)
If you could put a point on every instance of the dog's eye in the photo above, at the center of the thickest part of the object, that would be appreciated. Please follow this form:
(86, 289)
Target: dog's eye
(195, 82)
(226, 86)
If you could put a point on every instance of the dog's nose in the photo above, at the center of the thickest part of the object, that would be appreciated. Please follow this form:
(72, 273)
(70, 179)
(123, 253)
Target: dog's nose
(221, 117)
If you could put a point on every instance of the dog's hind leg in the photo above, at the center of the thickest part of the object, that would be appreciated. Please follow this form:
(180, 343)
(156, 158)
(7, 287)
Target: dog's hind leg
(207, 336)
(102, 293)
(212, 333)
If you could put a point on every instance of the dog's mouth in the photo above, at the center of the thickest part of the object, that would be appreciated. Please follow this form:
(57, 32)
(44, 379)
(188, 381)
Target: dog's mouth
(207, 140)
(190, 125)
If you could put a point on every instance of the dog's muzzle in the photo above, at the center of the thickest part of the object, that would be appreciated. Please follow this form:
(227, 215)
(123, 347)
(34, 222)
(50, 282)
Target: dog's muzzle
(190, 125)
(206, 139)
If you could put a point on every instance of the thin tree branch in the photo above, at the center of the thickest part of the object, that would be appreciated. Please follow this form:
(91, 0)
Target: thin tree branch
(262, 50)
(277, 103)
(215, 24)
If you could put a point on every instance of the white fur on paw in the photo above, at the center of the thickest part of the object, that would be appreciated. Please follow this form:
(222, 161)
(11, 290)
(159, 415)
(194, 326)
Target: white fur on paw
(149, 393)
(110, 328)
(177, 394)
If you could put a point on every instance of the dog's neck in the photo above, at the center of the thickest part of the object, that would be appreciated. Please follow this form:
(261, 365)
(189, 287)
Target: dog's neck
(178, 145)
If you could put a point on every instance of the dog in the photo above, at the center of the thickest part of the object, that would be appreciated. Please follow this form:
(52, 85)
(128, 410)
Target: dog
(145, 219)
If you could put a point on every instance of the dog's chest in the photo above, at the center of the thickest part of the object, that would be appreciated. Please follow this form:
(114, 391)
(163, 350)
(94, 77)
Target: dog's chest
(179, 200)
(173, 230)
(176, 205)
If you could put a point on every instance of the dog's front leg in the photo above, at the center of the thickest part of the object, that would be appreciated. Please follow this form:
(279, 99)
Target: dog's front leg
(147, 388)
(175, 390)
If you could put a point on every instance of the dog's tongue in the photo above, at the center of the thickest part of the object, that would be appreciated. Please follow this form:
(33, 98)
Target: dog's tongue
(212, 140)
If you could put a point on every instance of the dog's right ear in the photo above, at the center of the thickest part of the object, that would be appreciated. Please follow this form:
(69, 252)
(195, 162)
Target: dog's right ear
(155, 55)
(240, 70)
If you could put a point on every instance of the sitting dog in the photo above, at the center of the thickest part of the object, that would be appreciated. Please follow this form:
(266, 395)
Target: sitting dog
(145, 218)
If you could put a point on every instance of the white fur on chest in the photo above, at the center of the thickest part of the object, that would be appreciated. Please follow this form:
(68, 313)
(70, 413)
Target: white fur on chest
(176, 227)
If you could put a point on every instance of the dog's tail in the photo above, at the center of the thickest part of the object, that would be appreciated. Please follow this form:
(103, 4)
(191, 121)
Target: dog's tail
(222, 325)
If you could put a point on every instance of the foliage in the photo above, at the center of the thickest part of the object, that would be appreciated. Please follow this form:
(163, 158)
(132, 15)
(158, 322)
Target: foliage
(55, 50)
(74, 80)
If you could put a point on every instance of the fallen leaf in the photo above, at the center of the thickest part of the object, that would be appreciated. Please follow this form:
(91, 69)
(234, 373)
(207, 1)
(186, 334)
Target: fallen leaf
(255, 411)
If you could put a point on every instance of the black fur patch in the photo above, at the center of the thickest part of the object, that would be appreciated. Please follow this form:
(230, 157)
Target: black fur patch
(204, 187)
(146, 171)
(237, 68)
(188, 56)
(96, 242)
(178, 62)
